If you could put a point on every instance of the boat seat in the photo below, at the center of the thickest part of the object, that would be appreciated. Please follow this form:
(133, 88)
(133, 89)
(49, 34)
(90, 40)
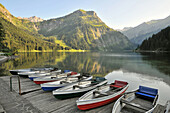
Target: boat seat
(73, 73)
(100, 93)
(65, 71)
(119, 84)
(143, 94)
(77, 86)
(147, 92)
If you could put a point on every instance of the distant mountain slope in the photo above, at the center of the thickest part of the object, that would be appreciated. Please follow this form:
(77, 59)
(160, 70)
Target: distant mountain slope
(83, 30)
(146, 30)
(158, 42)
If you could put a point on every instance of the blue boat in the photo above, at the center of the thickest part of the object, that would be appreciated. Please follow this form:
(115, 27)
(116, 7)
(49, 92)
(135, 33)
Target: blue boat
(143, 100)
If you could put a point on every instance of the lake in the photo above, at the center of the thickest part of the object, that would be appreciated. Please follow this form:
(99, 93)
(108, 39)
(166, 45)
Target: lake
(148, 69)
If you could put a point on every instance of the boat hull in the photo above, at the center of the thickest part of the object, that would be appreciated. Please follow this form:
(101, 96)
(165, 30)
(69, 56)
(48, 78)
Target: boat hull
(70, 95)
(32, 78)
(41, 82)
(50, 88)
(14, 72)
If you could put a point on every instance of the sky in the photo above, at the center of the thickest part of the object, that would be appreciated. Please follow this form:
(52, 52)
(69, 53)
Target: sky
(115, 13)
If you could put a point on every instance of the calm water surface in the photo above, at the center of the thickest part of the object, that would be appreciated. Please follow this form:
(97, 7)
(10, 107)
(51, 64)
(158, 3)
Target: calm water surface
(148, 69)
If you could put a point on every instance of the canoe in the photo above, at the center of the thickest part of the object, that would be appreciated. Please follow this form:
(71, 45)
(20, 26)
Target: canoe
(64, 82)
(79, 88)
(15, 72)
(102, 95)
(52, 78)
(143, 100)
(33, 76)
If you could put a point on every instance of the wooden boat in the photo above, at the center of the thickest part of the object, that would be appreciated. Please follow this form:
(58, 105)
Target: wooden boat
(64, 82)
(142, 100)
(102, 95)
(32, 76)
(78, 88)
(52, 78)
(26, 74)
(15, 72)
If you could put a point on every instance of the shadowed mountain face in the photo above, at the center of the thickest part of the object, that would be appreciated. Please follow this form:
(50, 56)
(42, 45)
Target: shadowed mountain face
(146, 30)
(84, 30)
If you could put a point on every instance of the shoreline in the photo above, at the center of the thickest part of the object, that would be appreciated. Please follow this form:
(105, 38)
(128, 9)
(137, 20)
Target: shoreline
(149, 51)
(34, 51)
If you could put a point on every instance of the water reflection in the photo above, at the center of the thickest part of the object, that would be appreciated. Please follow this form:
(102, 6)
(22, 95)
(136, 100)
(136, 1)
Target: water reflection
(136, 79)
(149, 69)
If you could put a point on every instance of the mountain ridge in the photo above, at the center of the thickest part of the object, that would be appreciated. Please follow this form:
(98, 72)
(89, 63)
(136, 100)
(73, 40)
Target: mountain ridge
(80, 29)
(146, 29)
(32, 19)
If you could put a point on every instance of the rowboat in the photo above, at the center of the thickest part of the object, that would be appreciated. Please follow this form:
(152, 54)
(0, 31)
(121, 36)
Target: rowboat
(64, 82)
(102, 95)
(15, 72)
(78, 88)
(33, 76)
(26, 74)
(52, 78)
(143, 100)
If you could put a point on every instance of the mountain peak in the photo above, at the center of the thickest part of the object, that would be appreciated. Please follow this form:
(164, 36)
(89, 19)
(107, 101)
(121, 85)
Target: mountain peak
(32, 19)
(82, 12)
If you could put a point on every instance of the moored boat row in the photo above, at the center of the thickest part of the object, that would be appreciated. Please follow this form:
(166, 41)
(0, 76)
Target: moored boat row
(94, 92)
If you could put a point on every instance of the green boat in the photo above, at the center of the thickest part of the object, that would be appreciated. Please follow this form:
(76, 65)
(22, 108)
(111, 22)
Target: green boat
(78, 88)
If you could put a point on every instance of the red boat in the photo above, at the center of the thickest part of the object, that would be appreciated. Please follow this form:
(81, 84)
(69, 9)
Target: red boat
(102, 95)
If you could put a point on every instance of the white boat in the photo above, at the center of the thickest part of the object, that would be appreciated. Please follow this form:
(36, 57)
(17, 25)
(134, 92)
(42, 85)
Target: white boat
(36, 75)
(78, 88)
(52, 78)
(64, 82)
(143, 100)
(102, 95)
(15, 72)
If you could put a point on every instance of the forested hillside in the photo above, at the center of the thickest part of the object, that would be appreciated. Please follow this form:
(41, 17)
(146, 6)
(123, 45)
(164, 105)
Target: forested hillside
(158, 42)
(22, 35)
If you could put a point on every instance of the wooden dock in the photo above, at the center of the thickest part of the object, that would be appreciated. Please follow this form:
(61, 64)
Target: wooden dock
(35, 100)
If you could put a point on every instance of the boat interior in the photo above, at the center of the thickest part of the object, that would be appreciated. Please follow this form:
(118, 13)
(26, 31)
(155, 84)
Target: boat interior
(140, 101)
(109, 89)
(84, 84)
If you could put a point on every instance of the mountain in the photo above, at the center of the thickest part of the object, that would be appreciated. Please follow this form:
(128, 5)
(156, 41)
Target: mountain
(124, 29)
(21, 34)
(83, 30)
(146, 30)
(158, 42)
(32, 19)
(78, 30)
